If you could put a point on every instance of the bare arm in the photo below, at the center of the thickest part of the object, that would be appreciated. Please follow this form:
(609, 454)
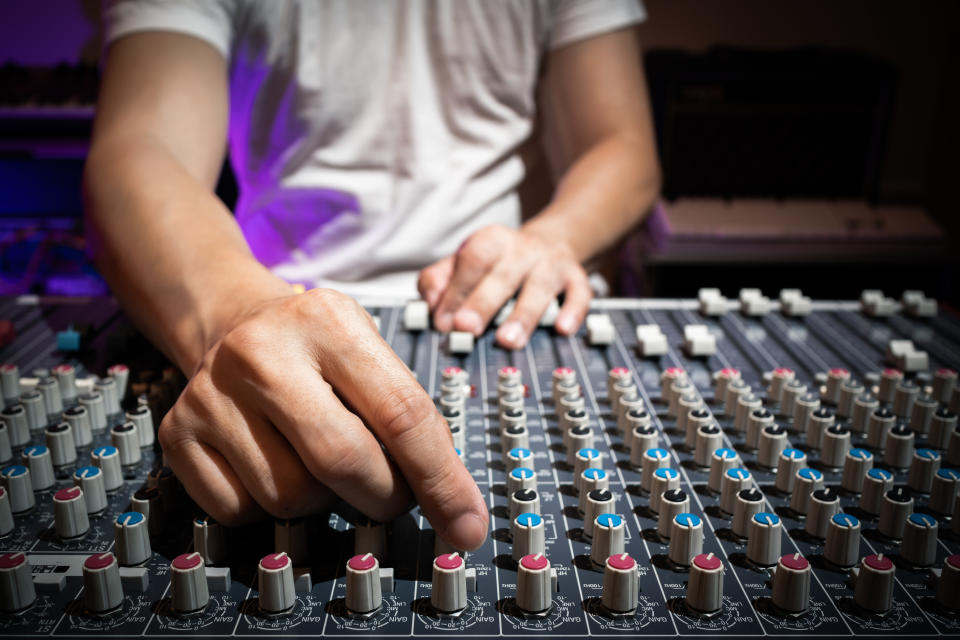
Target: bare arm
(598, 107)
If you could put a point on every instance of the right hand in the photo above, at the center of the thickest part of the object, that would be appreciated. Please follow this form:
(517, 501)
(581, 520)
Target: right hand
(276, 417)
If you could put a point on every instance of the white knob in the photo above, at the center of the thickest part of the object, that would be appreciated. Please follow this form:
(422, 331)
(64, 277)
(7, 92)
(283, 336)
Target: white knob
(779, 377)
(127, 443)
(856, 464)
(617, 375)
(842, 547)
(791, 392)
(904, 396)
(78, 418)
(791, 461)
(734, 481)
(620, 584)
(586, 458)
(188, 583)
(678, 389)
(944, 489)
(70, 513)
(874, 587)
(822, 505)
(672, 503)
(9, 380)
(363, 584)
(6, 451)
(16, 583)
(142, 417)
(102, 589)
(709, 439)
(686, 539)
(592, 479)
(834, 446)
(132, 536)
(146, 500)
(773, 440)
(919, 546)
(695, 419)
(630, 404)
(942, 425)
(598, 501)
(528, 535)
(521, 478)
(120, 373)
(863, 408)
(608, 537)
(449, 590)
(876, 483)
(16, 480)
(721, 460)
(59, 439)
(37, 459)
(806, 482)
(895, 507)
(953, 446)
(849, 391)
(632, 419)
(523, 501)
(749, 503)
(758, 420)
(818, 422)
(763, 541)
(514, 436)
(16, 419)
(721, 379)
(746, 404)
(642, 439)
(686, 405)
(6, 514)
(899, 450)
(923, 468)
(98, 415)
(519, 457)
(534, 583)
(36, 411)
(66, 380)
(653, 459)
(880, 424)
(889, 379)
(791, 583)
(108, 459)
(107, 387)
(922, 415)
(275, 582)
(735, 389)
(944, 381)
(664, 479)
(209, 540)
(835, 379)
(948, 587)
(705, 584)
(667, 378)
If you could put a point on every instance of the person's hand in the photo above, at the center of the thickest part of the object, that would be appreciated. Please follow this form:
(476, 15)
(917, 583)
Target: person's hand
(466, 290)
(276, 420)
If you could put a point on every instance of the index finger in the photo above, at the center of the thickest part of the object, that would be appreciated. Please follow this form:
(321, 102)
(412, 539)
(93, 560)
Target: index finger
(403, 416)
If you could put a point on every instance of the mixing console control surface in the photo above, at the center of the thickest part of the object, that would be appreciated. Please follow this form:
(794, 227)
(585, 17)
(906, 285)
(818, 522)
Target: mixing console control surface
(680, 467)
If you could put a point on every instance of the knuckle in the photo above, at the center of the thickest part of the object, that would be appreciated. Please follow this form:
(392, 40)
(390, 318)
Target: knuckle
(404, 411)
(345, 461)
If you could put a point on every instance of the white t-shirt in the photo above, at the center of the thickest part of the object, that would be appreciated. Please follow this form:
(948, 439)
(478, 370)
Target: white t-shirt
(370, 137)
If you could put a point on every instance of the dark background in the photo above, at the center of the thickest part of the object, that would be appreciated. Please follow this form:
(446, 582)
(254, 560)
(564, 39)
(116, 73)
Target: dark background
(804, 143)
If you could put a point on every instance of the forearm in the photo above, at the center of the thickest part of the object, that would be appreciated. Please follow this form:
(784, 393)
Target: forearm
(169, 249)
(606, 191)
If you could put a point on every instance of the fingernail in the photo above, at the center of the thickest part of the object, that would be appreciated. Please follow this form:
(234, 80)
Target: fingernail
(466, 531)
(565, 324)
(469, 320)
(445, 321)
(511, 333)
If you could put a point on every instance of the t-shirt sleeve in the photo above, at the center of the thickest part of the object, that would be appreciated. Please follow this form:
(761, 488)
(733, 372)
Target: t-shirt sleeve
(208, 20)
(575, 20)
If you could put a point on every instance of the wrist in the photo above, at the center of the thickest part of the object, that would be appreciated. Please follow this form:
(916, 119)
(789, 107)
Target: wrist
(550, 228)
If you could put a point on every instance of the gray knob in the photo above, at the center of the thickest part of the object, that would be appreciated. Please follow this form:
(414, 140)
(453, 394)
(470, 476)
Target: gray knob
(709, 439)
(944, 489)
(899, 449)
(822, 505)
(107, 387)
(856, 464)
(628, 403)
(147, 501)
(6, 451)
(513, 436)
(534, 583)
(863, 408)
(15, 418)
(818, 422)
(519, 457)
(188, 583)
(593, 479)
(275, 581)
(585, 458)
(59, 439)
(621, 587)
(889, 379)
(457, 432)
(758, 420)
(120, 373)
(642, 439)
(125, 439)
(834, 446)
(108, 459)
(874, 586)
(734, 481)
(953, 448)
(705, 584)
(209, 540)
(686, 404)
(598, 501)
(608, 538)
(564, 376)
(632, 419)
(453, 401)
(686, 539)
(66, 379)
(895, 507)
(780, 377)
(678, 389)
(791, 391)
(763, 541)
(876, 483)
(523, 501)
(804, 407)
(132, 538)
(10, 380)
(16, 480)
(836, 377)
(749, 503)
(528, 535)
(791, 461)
(143, 419)
(102, 589)
(922, 415)
(695, 419)
(6, 514)
(773, 440)
(79, 420)
(90, 479)
(723, 378)
(791, 583)
(735, 389)
(948, 587)
(37, 459)
(36, 411)
(653, 459)
(919, 546)
(721, 460)
(943, 423)
(904, 396)
(449, 591)
(747, 404)
(944, 382)
(70, 513)
(923, 468)
(98, 414)
(521, 478)
(664, 479)
(16, 583)
(849, 391)
(617, 376)
(805, 483)
(672, 503)
(881, 422)
(842, 547)
(667, 378)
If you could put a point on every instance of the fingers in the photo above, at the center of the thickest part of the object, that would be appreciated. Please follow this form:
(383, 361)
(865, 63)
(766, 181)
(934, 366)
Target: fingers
(576, 302)
(482, 304)
(471, 263)
(540, 288)
(434, 280)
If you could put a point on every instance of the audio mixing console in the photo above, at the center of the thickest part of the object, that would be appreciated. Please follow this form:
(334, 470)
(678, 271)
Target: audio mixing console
(681, 467)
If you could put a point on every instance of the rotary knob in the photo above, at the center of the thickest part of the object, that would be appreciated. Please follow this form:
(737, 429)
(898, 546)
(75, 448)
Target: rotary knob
(842, 547)
(758, 420)
(874, 586)
(70, 513)
(37, 459)
(792, 391)
(876, 483)
(834, 446)
(617, 375)
(621, 587)
(748, 504)
(523, 501)
(598, 501)
(923, 468)
(642, 439)
(895, 507)
(803, 408)
(668, 377)
(108, 459)
(723, 378)
(146, 501)
(942, 425)
(678, 390)
(721, 460)
(953, 447)
(695, 419)
(922, 415)
(127, 443)
(763, 541)
(519, 457)
(6, 514)
(629, 402)
(521, 478)
(90, 479)
(142, 418)
(514, 436)
(275, 581)
(121, 374)
(78, 418)
(948, 587)
(889, 379)
(773, 440)
(586, 458)
(608, 537)
(805, 483)
(457, 434)
(94, 405)
(188, 583)
(818, 422)
(709, 439)
(821, 507)
(791, 461)
(16, 419)
(672, 502)
(849, 391)
(36, 411)
(132, 539)
(899, 450)
(735, 389)
(17, 592)
(791, 583)
(632, 419)
(919, 547)
(593, 479)
(863, 408)
(6, 452)
(904, 396)
(50, 390)
(779, 378)
(664, 479)
(209, 540)
(856, 464)
(102, 589)
(944, 381)
(66, 379)
(746, 404)
(19, 488)
(534, 583)
(686, 539)
(880, 424)
(734, 481)
(528, 535)
(686, 405)
(564, 376)
(943, 490)
(107, 387)
(705, 584)
(653, 459)
(836, 377)
(449, 591)
(59, 439)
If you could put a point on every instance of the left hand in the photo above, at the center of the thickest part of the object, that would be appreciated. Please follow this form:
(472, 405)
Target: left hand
(466, 290)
